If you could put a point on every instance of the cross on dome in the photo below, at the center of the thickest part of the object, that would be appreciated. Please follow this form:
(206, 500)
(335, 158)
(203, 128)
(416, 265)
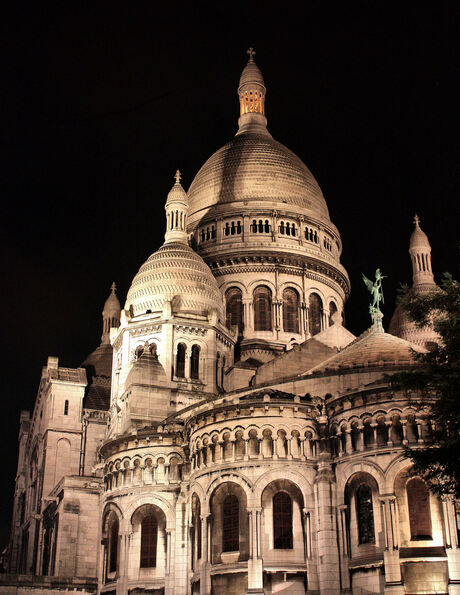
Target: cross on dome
(252, 53)
(417, 220)
(113, 287)
(178, 176)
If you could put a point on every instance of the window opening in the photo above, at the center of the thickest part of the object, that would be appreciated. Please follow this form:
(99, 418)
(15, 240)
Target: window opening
(365, 514)
(282, 521)
(180, 361)
(231, 524)
(149, 536)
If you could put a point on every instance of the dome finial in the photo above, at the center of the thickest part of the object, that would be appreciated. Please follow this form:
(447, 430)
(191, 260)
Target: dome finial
(178, 176)
(417, 220)
(113, 288)
(252, 53)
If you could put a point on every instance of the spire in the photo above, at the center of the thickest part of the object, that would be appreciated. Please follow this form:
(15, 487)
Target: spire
(176, 213)
(110, 314)
(420, 252)
(251, 93)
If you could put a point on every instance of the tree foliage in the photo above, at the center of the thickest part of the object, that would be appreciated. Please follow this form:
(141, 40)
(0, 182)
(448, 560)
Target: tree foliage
(437, 380)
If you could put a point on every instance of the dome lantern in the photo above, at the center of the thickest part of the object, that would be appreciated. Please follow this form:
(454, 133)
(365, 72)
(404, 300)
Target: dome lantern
(251, 93)
(176, 213)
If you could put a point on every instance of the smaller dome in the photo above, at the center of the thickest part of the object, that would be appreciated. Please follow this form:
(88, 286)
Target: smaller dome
(418, 239)
(112, 304)
(99, 362)
(146, 370)
(174, 274)
(251, 75)
(177, 193)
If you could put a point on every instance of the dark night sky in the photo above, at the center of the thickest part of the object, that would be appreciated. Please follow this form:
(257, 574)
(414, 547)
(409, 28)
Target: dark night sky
(99, 106)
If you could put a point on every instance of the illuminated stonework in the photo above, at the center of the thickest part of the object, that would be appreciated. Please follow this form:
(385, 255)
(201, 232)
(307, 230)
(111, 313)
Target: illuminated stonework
(230, 435)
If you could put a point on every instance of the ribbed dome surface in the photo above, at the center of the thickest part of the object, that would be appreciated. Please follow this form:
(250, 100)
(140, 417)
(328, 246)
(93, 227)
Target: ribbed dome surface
(419, 238)
(251, 74)
(255, 167)
(174, 273)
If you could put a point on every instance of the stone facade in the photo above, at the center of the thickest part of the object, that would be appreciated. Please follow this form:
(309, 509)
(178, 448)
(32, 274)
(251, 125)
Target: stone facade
(229, 435)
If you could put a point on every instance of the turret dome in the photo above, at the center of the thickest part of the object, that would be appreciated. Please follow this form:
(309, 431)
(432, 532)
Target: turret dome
(174, 279)
(174, 274)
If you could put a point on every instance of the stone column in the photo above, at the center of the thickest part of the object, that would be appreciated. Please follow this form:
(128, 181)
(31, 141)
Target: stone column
(393, 582)
(205, 577)
(404, 429)
(344, 541)
(247, 312)
(348, 443)
(255, 567)
(328, 566)
(123, 562)
(452, 546)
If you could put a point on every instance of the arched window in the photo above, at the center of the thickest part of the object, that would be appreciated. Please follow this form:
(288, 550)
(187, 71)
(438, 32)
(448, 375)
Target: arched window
(332, 311)
(365, 514)
(234, 307)
(180, 360)
(315, 310)
(290, 311)
(231, 524)
(262, 309)
(113, 545)
(282, 521)
(418, 500)
(195, 362)
(149, 535)
(66, 407)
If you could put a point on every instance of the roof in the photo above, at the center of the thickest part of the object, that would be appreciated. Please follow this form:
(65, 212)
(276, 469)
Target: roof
(98, 394)
(373, 347)
(174, 273)
(99, 362)
(255, 167)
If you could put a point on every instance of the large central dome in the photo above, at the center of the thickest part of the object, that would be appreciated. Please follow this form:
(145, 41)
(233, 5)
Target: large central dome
(254, 171)
(255, 167)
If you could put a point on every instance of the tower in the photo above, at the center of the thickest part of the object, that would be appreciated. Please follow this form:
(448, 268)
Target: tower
(258, 218)
(423, 282)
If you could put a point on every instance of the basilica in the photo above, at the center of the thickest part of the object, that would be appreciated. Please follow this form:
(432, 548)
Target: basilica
(229, 435)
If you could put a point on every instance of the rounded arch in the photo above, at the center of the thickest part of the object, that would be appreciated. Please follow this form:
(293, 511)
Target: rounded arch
(270, 476)
(234, 283)
(349, 471)
(264, 281)
(155, 500)
(227, 477)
